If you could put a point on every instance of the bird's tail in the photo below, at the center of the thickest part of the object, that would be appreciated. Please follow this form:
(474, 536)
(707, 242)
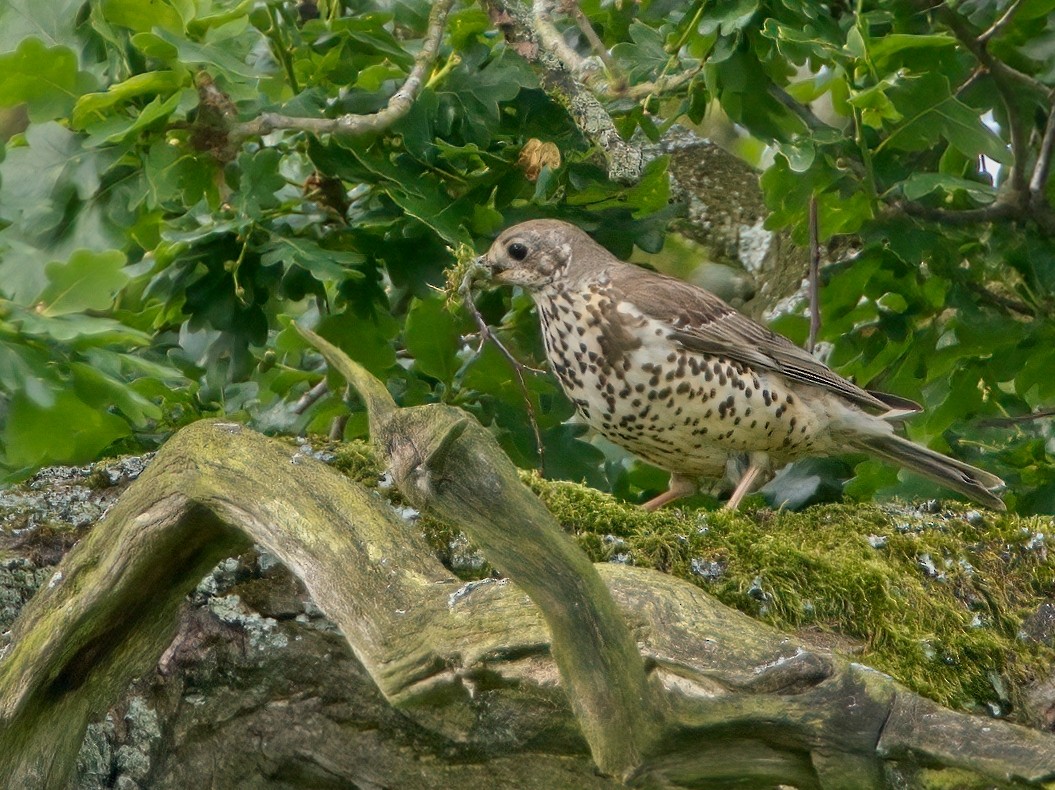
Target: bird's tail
(975, 483)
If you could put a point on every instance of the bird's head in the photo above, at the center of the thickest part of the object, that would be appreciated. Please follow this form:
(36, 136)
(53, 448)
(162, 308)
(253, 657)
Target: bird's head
(536, 254)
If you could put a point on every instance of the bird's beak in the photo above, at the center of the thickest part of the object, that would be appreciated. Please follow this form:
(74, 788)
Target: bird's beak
(486, 264)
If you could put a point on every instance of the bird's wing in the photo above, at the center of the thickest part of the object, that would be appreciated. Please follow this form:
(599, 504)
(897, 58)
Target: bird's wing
(703, 323)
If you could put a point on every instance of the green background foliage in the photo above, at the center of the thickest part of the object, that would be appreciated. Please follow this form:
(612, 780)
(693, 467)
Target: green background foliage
(152, 261)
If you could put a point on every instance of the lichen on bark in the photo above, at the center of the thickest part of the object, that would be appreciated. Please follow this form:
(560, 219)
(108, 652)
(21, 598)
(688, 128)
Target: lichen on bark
(471, 671)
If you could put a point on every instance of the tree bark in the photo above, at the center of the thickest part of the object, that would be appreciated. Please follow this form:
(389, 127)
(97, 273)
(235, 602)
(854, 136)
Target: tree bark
(667, 687)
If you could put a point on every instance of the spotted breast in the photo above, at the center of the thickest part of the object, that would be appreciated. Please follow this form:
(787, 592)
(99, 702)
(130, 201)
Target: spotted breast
(677, 376)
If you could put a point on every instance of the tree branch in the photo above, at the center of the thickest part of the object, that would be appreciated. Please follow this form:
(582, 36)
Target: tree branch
(1010, 422)
(670, 688)
(614, 72)
(352, 124)
(999, 210)
(1002, 22)
(1042, 168)
(804, 113)
(308, 399)
(524, 36)
(1014, 305)
(1003, 77)
(551, 40)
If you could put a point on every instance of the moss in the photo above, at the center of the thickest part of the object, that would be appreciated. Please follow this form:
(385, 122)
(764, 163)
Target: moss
(934, 599)
(358, 461)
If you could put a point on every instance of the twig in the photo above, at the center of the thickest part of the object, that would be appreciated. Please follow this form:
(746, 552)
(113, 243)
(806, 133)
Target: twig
(306, 400)
(999, 210)
(614, 72)
(624, 160)
(1007, 422)
(814, 287)
(998, 26)
(662, 84)
(1003, 77)
(351, 123)
(979, 72)
(1038, 181)
(804, 113)
(518, 367)
(1014, 305)
(340, 422)
(552, 41)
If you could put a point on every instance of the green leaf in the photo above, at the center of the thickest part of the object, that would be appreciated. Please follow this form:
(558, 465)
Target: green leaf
(727, 17)
(366, 339)
(142, 16)
(876, 107)
(323, 264)
(46, 79)
(207, 55)
(54, 22)
(72, 327)
(646, 56)
(118, 128)
(884, 47)
(32, 435)
(433, 338)
(102, 391)
(892, 302)
(153, 46)
(41, 179)
(25, 369)
(259, 180)
(94, 107)
(87, 281)
(652, 191)
(930, 112)
(919, 184)
(373, 77)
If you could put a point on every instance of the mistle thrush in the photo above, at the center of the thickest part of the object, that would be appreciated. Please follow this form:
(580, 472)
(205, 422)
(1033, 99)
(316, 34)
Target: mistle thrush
(678, 377)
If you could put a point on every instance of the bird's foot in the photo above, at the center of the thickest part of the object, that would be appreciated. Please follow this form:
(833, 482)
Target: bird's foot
(680, 486)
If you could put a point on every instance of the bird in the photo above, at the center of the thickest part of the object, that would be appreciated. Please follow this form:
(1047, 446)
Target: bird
(678, 377)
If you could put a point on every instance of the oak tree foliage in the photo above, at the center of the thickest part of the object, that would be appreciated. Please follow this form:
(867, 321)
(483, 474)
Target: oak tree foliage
(158, 238)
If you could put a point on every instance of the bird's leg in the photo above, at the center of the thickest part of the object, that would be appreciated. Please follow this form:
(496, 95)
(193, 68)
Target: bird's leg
(680, 486)
(746, 484)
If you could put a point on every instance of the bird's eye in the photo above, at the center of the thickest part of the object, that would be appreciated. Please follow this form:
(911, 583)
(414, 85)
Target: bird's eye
(517, 251)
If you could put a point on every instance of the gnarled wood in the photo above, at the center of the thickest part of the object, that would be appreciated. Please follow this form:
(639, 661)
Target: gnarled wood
(668, 687)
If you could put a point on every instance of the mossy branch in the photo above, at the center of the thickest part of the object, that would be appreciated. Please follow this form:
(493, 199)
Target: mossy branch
(447, 463)
(668, 687)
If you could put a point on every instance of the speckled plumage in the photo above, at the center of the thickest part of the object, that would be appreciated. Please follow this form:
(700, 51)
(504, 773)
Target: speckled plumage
(677, 376)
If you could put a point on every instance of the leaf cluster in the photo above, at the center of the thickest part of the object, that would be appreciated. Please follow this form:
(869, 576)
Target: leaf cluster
(153, 256)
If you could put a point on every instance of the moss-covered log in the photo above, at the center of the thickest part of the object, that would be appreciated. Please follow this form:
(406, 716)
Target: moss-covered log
(668, 687)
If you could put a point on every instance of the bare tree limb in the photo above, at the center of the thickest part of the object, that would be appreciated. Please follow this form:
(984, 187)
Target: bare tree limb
(352, 124)
(668, 688)
(1014, 305)
(999, 210)
(552, 41)
(581, 69)
(305, 401)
